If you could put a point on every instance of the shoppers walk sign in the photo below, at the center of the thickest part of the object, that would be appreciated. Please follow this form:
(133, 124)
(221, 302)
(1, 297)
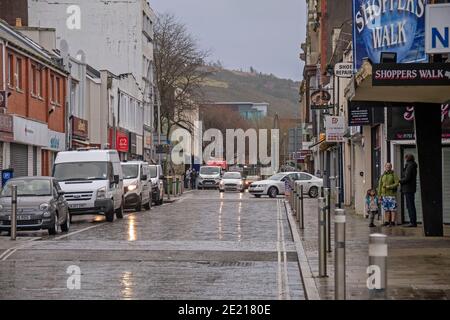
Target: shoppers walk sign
(412, 74)
(396, 26)
(335, 129)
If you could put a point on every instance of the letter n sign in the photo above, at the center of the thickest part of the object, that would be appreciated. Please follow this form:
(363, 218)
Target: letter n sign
(437, 30)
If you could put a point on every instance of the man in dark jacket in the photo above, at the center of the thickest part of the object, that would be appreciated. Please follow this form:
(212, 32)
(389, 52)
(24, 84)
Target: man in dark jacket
(409, 188)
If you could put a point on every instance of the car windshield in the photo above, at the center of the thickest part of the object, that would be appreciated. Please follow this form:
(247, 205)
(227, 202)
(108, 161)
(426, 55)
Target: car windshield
(153, 172)
(232, 175)
(130, 171)
(277, 177)
(30, 188)
(81, 171)
(209, 170)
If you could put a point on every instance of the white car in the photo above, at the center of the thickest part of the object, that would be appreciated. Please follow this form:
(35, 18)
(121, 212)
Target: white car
(232, 181)
(276, 185)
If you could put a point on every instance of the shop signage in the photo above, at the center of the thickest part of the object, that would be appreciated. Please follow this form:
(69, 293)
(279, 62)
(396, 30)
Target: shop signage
(400, 124)
(30, 132)
(122, 142)
(6, 127)
(80, 128)
(133, 146)
(2, 99)
(437, 28)
(56, 140)
(412, 74)
(320, 98)
(334, 128)
(396, 26)
(343, 70)
(148, 139)
(362, 114)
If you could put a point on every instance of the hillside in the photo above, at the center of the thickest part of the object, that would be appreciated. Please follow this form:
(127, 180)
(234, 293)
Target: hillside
(236, 86)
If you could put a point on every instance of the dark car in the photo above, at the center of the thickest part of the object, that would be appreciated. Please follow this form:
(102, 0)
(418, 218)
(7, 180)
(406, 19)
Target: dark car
(40, 205)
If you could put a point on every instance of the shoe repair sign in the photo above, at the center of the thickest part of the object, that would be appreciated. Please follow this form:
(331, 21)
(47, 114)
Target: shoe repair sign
(395, 26)
(413, 74)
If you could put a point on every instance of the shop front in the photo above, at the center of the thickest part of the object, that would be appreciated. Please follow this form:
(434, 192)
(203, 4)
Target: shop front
(119, 140)
(55, 143)
(6, 134)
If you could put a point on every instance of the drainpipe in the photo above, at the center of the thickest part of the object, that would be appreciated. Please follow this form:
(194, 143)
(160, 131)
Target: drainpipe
(4, 44)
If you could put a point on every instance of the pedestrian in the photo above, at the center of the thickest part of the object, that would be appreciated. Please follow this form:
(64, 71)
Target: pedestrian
(187, 179)
(372, 206)
(408, 184)
(193, 179)
(387, 190)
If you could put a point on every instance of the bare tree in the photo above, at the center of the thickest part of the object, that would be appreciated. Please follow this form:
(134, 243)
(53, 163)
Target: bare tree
(180, 72)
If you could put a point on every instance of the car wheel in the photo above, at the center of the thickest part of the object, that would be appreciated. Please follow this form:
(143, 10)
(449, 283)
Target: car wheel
(119, 211)
(54, 229)
(313, 192)
(257, 196)
(221, 191)
(273, 192)
(66, 226)
(110, 215)
(138, 207)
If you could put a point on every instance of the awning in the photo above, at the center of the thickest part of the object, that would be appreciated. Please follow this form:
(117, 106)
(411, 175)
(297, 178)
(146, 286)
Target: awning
(361, 89)
(323, 145)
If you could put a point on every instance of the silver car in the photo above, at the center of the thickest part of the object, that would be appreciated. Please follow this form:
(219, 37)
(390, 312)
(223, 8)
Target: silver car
(40, 205)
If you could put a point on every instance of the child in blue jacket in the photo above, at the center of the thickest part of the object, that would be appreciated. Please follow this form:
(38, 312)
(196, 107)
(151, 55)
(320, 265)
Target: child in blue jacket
(372, 206)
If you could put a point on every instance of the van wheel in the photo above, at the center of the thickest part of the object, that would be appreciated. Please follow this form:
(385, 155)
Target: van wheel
(119, 212)
(66, 226)
(138, 207)
(110, 215)
(148, 205)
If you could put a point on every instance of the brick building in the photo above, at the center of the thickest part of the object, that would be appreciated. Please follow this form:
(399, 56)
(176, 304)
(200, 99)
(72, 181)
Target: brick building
(32, 118)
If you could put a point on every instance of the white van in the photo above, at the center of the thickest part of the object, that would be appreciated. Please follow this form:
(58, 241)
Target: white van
(209, 177)
(137, 185)
(92, 182)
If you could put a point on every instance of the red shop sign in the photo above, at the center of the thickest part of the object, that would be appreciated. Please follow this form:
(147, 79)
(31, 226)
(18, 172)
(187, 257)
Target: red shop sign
(122, 142)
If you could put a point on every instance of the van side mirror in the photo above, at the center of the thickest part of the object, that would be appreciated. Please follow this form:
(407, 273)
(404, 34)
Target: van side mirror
(161, 177)
(144, 177)
(116, 179)
(61, 193)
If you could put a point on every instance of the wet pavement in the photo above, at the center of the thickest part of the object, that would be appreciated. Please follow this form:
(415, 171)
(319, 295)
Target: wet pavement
(205, 245)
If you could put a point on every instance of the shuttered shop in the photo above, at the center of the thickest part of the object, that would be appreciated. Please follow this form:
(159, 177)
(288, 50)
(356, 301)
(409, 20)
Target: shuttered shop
(19, 159)
(446, 186)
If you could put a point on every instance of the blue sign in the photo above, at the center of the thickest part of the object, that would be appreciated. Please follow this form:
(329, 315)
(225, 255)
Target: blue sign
(389, 26)
(7, 174)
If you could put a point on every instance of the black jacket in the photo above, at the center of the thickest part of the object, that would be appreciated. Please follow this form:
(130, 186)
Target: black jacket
(409, 177)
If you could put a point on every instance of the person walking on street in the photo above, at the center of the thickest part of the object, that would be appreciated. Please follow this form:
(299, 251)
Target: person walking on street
(409, 187)
(187, 179)
(387, 190)
(193, 179)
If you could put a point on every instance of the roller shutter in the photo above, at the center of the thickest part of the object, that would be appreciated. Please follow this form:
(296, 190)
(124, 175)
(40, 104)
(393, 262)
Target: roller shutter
(19, 159)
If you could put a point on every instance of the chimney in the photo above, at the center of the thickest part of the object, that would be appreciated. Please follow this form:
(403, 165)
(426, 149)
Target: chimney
(18, 22)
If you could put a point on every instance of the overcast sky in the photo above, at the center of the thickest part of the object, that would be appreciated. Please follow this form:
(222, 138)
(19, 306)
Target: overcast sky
(264, 34)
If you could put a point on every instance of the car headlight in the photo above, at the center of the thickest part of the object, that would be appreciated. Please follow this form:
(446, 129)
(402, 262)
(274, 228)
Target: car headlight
(101, 193)
(132, 187)
(44, 206)
(1, 208)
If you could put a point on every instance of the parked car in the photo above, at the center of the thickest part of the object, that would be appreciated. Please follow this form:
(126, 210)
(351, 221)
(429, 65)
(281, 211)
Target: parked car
(232, 181)
(209, 177)
(40, 205)
(276, 185)
(92, 181)
(250, 179)
(137, 185)
(157, 178)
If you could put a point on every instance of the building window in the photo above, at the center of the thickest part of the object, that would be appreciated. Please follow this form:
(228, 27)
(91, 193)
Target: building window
(58, 91)
(52, 88)
(18, 74)
(36, 81)
(10, 70)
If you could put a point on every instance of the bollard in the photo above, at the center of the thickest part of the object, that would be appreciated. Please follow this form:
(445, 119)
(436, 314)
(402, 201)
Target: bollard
(338, 197)
(327, 195)
(13, 212)
(297, 204)
(301, 220)
(377, 270)
(294, 199)
(169, 186)
(339, 255)
(321, 236)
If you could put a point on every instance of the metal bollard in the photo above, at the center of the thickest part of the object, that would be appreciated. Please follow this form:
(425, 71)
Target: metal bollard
(13, 212)
(301, 220)
(339, 255)
(294, 199)
(327, 195)
(321, 236)
(169, 186)
(297, 202)
(338, 197)
(377, 270)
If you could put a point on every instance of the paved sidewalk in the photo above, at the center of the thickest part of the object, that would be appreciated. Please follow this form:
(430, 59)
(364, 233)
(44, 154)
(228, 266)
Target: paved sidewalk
(418, 267)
